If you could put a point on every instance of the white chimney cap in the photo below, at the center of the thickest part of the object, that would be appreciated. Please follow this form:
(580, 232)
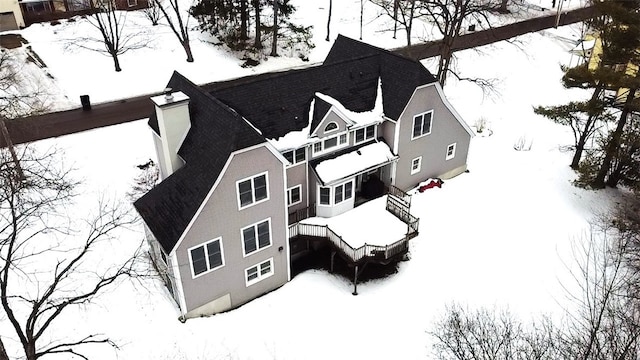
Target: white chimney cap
(168, 98)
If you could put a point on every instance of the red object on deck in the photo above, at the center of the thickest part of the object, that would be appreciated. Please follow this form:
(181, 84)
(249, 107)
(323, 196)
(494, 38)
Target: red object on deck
(433, 183)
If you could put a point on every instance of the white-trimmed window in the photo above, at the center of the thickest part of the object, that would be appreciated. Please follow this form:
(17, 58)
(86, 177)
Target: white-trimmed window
(332, 126)
(206, 257)
(256, 237)
(416, 165)
(330, 143)
(422, 124)
(329, 196)
(259, 272)
(294, 195)
(253, 190)
(364, 134)
(132, 2)
(296, 156)
(451, 151)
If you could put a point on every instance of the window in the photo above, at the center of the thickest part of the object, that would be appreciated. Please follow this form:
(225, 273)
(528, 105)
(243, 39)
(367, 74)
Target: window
(341, 193)
(295, 156)
(293, 195)
(256, 237)
(416, 165)
(259, 272)
(253, 190)
(328, 143)
(365, 134)
(325, 195)
(132, 2)
(451, 151)
(422, 125)
(206, 257)
(332, 126)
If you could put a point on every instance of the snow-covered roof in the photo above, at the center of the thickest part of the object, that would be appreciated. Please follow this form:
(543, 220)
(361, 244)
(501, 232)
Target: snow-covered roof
(294, 139)
(372, 116)
(584, 45)
(355, 162)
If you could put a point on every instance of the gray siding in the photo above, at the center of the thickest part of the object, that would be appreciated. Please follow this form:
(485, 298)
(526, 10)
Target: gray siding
(387, 130)
(220, 217)
(330, 117)
(445, 130)
(297, 175)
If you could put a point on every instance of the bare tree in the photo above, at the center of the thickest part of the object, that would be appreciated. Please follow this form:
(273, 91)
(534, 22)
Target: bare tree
(179, 25)
(484, 334)
(152, 12)
(258, 39)
(406, 10)
(48, 267)
(606, 322)
(115, 39)
(449, 18)
(274, 34)
(329, 21)
(145, 180)
(19, 96)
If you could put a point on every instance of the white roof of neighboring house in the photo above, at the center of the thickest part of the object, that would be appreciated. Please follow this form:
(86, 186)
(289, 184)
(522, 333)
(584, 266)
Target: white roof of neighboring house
(354, 162)
(584, 45)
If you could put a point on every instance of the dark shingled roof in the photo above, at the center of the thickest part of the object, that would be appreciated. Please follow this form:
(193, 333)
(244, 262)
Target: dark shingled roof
(279, 103)
(276, 104)
(320, 109)
(216, 131)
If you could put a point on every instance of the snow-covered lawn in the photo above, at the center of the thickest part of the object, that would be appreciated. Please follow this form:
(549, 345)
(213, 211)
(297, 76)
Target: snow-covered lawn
(496, 235)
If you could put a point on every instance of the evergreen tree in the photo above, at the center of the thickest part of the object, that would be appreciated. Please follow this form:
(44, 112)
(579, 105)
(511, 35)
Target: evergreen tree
(619, 32)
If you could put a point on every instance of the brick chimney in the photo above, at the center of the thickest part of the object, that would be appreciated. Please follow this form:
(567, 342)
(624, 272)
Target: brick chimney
(172, 111)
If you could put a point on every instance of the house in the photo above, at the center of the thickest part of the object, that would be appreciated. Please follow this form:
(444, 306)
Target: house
(243, 161)
(591, 57)
(10, 15)
(35, 11)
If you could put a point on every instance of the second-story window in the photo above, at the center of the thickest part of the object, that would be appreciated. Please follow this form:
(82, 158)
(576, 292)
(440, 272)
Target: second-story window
(253, 190)
(422, 124)
(296, 156)
(256, 237)
(329, 143)
(364, 134)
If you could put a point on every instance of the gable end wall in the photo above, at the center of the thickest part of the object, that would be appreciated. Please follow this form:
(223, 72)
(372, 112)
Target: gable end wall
(220, 217)
(445, 130)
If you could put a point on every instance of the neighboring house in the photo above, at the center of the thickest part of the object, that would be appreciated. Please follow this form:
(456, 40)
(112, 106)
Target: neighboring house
(35, 11)
(242, 161)
(593, 51)
(10, 15)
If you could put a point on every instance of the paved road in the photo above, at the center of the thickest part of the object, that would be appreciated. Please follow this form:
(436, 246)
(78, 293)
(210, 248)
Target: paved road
(116, 112)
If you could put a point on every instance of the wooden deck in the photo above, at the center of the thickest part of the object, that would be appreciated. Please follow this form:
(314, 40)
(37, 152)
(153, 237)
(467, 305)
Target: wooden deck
(305, 237)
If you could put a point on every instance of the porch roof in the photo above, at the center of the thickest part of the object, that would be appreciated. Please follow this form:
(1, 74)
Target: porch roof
(352, 163)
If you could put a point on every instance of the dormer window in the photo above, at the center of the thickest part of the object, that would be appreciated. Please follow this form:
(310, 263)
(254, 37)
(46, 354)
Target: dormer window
(332, 126)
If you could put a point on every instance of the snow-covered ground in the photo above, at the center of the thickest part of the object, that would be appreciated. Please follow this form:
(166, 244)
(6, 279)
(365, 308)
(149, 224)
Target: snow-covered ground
(496, 235)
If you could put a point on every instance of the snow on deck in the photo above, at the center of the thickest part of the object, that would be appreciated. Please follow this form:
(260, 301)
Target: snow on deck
(354, 162)
(368, 223)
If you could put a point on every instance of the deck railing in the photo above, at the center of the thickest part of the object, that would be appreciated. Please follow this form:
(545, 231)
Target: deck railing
(400, 195)
(302, 214)
(354, 254)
